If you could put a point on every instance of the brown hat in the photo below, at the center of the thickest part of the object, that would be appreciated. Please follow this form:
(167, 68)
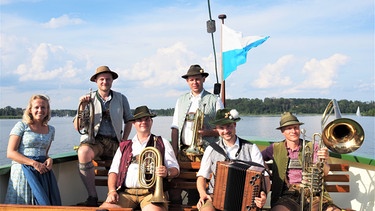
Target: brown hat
(287, 119)
(226, 116)
(142, 111)
(195, 70)
(103, 69)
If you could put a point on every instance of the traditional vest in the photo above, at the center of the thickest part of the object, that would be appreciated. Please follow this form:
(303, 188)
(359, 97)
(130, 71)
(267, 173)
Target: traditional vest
(126, 151)
(115, 111)
(207, 106)
(279, 168)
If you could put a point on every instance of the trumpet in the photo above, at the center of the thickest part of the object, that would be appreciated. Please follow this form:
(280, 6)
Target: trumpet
(149, 159)
(197, 138)
(85, 121)
(341, 136)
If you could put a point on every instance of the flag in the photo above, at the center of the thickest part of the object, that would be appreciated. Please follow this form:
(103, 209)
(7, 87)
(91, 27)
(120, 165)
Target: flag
(235, 48)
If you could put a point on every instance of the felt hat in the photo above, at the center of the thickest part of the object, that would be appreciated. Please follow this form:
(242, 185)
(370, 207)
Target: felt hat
(142, 111)
(226, 116)
(195, 70)
(287, 119)
(103, 69)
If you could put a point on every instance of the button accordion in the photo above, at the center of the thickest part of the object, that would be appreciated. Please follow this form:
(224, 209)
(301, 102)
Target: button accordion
(236, 186)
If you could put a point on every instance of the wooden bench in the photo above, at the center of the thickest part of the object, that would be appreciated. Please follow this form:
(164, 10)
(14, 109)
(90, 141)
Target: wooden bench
(18, 207)
(338, 181)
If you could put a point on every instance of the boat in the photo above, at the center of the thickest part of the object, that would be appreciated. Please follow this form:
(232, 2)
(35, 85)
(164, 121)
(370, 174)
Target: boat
(360, 197)
(358, 113)
(361, 183)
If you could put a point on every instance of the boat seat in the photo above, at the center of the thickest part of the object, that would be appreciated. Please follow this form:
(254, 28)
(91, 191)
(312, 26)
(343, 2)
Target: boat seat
(18, 207)
(337, 181)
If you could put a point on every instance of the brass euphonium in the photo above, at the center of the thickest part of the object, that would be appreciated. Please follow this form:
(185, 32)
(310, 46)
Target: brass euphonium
(149, 159)
(341, 136)
(197, 138)
(85, 121)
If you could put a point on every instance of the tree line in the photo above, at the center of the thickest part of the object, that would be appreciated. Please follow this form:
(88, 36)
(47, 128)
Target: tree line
(246, 106)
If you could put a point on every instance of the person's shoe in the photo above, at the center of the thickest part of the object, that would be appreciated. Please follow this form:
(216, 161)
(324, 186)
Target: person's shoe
(90, 202)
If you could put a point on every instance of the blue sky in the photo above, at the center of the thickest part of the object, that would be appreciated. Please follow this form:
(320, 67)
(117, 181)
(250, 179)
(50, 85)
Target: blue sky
(316, 49)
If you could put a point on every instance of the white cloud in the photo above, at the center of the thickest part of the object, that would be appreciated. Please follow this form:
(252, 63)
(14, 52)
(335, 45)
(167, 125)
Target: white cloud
(274, 75)
(321, 74)
(62, 21)
(47, 63)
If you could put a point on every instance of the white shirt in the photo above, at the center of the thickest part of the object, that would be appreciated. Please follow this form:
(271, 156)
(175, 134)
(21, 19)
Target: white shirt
(131, 180)
(205, 168)
(187, 131)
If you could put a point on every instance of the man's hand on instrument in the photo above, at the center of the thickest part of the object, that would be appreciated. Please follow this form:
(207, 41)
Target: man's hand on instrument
(202, 200)
(261, 201)
(323, 153)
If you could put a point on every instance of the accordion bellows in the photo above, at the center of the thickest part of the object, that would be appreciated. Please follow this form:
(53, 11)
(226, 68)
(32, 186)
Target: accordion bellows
(236, 186)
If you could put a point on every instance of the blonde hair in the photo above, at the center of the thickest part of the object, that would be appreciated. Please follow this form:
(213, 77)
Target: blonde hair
(28, 117)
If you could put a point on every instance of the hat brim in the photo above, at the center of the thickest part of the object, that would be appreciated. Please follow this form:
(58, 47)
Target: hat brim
(187, 75)
(290, 123)
(224, 121)
(114, 75)
(141, 116)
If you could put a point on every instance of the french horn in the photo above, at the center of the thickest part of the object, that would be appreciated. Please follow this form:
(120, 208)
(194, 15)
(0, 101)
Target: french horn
(85, 121)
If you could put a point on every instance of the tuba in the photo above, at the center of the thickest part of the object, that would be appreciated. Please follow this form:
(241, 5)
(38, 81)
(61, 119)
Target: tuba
(342, 135)
(193, 149)
(85, 121)
(149, 159)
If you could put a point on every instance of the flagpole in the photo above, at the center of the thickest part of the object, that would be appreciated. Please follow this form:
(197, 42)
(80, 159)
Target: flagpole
(222, 17)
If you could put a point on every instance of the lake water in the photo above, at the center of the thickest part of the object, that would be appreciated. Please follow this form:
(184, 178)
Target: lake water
(250, 127)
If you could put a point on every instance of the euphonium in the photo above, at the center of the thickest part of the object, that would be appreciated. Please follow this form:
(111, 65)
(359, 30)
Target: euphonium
(85, 121)
(197, 138)
(149, 159)
(341, 136)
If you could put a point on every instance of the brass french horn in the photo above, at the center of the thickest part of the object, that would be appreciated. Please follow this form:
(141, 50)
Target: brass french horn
(85, 121)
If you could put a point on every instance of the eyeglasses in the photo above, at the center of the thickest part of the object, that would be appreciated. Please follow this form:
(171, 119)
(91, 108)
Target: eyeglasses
(145, 119)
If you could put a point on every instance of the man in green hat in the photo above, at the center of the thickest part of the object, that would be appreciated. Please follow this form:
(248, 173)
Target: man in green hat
(233, 148)
(124, 188)
(191, 109)
(287, 167)
(111, 126)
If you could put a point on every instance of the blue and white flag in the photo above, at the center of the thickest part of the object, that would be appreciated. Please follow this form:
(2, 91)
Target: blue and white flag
(235, 48)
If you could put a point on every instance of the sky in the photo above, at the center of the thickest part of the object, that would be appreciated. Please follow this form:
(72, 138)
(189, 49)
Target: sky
(316, 49)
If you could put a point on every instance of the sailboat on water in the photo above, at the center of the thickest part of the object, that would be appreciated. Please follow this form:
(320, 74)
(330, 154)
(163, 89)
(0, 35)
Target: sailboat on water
(358, 113)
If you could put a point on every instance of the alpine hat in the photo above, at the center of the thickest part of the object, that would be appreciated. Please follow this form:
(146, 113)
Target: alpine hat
(142, 111)
(287, 119)
(103, 69)
(226, 116)
(195, 70)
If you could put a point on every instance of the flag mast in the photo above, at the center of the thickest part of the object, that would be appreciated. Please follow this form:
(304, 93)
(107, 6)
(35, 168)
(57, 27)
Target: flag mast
(222, 17)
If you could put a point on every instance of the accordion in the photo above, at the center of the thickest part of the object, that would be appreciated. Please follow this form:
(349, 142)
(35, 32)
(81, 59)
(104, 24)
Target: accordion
(236, 186)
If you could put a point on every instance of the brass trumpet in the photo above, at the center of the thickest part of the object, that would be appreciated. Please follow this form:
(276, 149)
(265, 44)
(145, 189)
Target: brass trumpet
(85, 121)
(341, 136)
(149, 159)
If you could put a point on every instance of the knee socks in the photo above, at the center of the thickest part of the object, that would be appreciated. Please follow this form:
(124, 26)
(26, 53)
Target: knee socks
(87, 174)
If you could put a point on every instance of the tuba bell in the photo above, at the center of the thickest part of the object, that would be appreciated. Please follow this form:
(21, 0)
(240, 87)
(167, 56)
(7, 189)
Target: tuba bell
(149, 159)
(193, 149)
(342, 135)
(85, 121)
